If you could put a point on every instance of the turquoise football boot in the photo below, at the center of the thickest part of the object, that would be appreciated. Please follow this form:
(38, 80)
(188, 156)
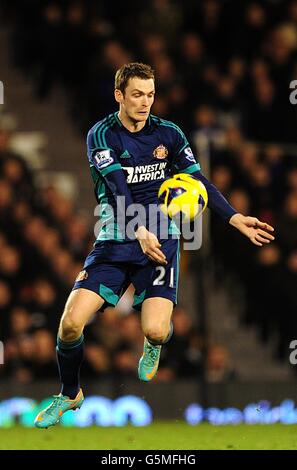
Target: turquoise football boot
(149, 361)
(52, 414)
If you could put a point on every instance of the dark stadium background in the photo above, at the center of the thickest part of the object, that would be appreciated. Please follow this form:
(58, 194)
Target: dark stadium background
(223, 71)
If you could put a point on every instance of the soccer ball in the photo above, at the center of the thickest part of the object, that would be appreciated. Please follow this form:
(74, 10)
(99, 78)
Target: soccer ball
(182, 194)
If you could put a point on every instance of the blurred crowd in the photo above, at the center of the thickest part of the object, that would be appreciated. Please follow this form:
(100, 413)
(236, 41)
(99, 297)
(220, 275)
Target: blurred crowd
(42, 244)
(237, 57)
(259, 181)
(223, 70)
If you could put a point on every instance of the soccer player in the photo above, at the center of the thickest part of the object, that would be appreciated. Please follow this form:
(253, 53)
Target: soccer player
(131, 152)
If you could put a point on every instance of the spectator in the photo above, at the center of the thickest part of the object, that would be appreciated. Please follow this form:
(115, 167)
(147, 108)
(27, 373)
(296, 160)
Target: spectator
(218, 367)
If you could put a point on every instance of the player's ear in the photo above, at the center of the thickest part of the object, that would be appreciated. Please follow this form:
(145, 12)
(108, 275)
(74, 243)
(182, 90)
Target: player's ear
(118, 95)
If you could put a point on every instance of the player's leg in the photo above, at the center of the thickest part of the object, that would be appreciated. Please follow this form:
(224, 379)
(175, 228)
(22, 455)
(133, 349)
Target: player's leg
(99, 284)
(80, 307)
(156, 325)
(156, 290)
(156, 315)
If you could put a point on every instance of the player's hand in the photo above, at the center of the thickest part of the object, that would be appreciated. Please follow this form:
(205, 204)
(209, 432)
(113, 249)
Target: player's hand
(253, 228)
(150, 245)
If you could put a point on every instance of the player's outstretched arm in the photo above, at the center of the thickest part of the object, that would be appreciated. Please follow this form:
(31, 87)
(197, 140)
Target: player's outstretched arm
(253, 228)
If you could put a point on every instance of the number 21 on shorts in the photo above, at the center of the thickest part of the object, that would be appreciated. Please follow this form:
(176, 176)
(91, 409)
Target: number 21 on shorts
(160, 281)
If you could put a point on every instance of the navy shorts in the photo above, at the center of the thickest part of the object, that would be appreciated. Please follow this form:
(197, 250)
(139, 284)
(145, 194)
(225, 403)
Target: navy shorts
(112, 266)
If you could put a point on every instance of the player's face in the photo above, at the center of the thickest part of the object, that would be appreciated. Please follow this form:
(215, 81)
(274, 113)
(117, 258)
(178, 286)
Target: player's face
(138, 99)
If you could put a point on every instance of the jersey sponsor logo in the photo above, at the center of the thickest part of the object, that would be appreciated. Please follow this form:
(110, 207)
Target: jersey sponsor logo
(142, 173)
(103, 159)
(160, 152)
(189, 155)
(82, 275)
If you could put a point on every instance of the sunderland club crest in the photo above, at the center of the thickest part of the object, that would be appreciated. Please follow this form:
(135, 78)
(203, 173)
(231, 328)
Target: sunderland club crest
(160, 152)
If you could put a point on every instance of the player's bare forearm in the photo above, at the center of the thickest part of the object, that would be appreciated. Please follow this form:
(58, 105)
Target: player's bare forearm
(150, 245)
(258, 232)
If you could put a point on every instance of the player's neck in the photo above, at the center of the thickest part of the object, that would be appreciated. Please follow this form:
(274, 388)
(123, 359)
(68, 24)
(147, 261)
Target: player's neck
(132, 126)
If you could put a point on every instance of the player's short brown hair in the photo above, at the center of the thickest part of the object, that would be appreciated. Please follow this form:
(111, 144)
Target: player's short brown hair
(134, 69)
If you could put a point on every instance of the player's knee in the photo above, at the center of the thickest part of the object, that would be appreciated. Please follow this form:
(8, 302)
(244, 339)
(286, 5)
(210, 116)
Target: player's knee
(70, 329)
(156, 334)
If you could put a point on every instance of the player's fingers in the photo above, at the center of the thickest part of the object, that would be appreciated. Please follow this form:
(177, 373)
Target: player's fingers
(156, 255)
(161, 258)
(150, 256)
(261, 239)
(154, 243)
(158, 252)
(157, 259)
(255, 242)
(265, 234)
(264, 225)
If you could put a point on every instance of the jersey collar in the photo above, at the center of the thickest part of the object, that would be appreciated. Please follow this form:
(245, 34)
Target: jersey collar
(146, 128)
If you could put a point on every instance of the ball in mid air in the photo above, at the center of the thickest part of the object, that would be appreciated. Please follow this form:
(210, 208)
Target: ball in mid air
(182, 195)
